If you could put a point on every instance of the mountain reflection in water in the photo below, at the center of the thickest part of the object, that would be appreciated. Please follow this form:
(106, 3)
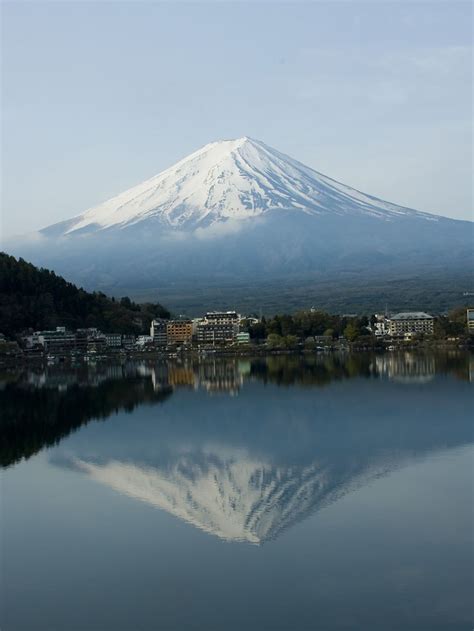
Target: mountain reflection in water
(248, 467)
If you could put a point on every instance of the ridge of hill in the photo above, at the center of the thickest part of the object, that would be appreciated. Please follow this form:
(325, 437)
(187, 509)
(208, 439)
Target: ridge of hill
(37, 298)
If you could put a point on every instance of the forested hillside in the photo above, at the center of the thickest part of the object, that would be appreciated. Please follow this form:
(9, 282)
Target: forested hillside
(39, 299)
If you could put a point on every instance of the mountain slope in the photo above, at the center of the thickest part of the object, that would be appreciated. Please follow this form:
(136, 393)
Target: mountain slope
(238, 213)
(231, 180)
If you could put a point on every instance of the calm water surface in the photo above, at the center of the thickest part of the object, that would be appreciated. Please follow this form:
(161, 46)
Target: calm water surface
(272, 494)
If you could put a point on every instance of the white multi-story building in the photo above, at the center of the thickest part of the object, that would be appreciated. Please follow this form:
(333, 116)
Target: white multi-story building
(411, 322)
(380, 326)
(218, 327)
(158, 331)
(57, 339)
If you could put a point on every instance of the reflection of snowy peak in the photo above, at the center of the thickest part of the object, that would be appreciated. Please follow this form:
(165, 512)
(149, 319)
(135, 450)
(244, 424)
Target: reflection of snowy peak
(231, 179)
(233, 497)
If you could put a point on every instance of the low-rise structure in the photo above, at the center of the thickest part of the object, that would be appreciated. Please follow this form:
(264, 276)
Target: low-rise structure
(323, 340)
(143, 341)
(113, 340)
(410, 323)
(242, 338)
(54, 341)
(128, 340)
(470, 320)
(90, 340)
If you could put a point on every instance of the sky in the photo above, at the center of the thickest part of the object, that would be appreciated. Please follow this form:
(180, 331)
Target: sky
(99, 96)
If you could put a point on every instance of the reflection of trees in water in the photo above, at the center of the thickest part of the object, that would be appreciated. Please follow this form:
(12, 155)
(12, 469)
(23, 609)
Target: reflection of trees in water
(310, 370)
(320, 370)
(34, 418)
(41, 407)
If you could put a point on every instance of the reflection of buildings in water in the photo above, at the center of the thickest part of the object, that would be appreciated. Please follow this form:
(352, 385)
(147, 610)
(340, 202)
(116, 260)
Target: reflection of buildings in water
(180, 375)
(159, 376)
(244, 368)
(60, 377)
(143, 369)
(220, 376)
(406, 367)
(211, 375)
(230, 495)
(176, 375)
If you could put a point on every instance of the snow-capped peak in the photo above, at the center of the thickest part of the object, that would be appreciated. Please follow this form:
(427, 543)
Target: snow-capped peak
(231, 180)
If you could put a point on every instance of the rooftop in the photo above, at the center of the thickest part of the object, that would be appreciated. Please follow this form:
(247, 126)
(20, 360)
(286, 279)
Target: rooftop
(412, 315)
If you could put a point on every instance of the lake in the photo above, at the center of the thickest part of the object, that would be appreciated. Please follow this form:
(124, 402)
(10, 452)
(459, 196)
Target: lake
(277, 493)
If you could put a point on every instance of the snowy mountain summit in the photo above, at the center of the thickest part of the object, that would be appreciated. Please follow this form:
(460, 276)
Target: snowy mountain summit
(231, 180)
(237, 214)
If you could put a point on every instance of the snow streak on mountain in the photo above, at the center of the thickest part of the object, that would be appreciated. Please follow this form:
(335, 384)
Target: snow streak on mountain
(232, 180)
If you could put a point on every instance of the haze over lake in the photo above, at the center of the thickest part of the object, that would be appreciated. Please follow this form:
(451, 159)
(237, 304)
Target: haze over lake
(283, 492)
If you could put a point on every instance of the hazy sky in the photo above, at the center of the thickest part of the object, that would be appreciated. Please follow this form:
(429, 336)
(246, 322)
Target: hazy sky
(99, 96)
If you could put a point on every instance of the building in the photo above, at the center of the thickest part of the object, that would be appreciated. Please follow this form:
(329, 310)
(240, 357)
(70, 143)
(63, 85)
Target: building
(113, 340)
(158, 331)
(128, 340)
(380, 326)
(249, 319)
(90, 340)
(323, 340)
(179, 331)
(59, 340)
(470, 320)
(212, 333)
(410, 323)
(218, 327)
(222, 317)
(84, 336)
(243, 338)
(143, 341)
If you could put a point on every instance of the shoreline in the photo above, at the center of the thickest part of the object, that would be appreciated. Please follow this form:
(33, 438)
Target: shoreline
(249, 351)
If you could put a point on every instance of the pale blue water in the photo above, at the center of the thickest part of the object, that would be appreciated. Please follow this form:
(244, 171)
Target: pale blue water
(279, 494)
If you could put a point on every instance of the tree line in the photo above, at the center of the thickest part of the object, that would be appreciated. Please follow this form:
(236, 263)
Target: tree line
(287, 330)
(38, 299)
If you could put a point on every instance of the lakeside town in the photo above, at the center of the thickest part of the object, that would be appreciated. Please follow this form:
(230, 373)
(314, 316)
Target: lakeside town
(228, 332)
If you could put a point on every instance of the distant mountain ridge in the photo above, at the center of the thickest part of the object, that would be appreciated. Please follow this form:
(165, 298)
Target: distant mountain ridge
(237, 213)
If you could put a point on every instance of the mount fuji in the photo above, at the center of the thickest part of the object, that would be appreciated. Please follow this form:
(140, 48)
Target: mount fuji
(230, 180)
(238, 214)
